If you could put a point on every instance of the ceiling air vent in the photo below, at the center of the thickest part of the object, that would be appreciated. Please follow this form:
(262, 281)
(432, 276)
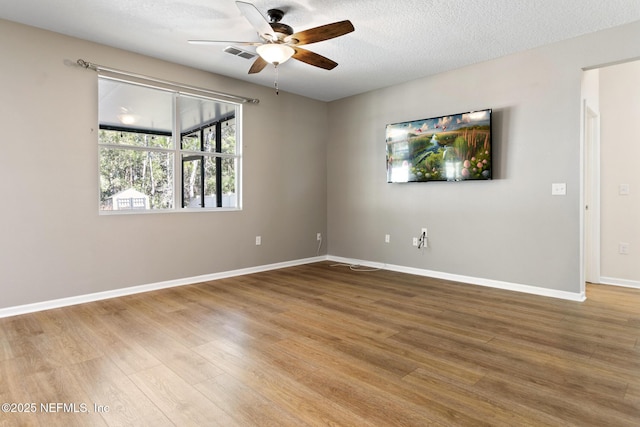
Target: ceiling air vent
(239, 52)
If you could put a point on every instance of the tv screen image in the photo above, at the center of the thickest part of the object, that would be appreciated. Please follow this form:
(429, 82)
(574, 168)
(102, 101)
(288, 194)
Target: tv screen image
(446, 148)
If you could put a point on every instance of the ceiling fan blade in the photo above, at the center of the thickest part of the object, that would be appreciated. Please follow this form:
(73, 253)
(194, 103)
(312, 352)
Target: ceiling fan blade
(318, 34)
(224, 42)
(314, 59)
(258, 65)
(256, 19)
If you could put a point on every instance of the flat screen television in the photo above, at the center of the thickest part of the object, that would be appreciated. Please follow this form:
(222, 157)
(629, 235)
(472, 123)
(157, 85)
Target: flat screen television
(446, 148)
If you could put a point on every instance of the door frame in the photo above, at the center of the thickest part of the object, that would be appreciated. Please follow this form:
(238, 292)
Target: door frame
(590, 197)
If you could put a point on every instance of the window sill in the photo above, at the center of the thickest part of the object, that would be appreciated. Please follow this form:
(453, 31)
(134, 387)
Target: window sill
(165, 211)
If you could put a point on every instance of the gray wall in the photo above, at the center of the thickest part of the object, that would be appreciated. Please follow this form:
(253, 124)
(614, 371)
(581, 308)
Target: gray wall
(55, 245)
(510, 229)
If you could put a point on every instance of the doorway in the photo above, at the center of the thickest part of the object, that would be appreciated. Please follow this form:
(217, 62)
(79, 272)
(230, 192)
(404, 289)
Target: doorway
(610, 184)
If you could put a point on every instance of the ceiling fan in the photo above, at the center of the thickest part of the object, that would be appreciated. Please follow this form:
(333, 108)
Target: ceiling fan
(279, 42)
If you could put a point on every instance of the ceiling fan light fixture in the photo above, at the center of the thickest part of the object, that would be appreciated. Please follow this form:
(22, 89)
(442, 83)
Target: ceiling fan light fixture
(275, 53)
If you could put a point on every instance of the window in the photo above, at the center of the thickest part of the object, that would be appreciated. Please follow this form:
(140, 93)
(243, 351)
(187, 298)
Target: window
(165, 150)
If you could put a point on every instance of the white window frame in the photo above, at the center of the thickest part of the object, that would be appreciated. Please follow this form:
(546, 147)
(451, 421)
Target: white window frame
(178, 152)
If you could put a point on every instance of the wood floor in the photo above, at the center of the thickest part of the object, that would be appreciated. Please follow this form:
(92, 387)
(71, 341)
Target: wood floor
(322, 345)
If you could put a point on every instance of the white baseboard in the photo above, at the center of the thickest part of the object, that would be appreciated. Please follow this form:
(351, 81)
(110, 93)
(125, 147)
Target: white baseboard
(64, 302)
(620, 282)
(535, 290)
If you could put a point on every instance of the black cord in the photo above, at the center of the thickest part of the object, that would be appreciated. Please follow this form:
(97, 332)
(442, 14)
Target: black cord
(422, 243)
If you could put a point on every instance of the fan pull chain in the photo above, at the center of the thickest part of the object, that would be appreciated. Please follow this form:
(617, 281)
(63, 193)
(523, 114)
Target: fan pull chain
(276, 81)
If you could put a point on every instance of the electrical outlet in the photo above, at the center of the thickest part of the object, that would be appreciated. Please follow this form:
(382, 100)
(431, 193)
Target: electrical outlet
(387, 238)
(318, 236)
(415, 241)
(623, 248)
(258, 240)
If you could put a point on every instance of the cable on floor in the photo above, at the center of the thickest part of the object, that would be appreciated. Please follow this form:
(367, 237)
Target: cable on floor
(356, 267)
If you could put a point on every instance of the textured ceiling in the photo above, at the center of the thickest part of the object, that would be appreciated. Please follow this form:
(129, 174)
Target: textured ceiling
(394, 41)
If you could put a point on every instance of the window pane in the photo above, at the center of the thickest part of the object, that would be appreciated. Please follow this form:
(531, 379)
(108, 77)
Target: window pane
(192, 182)
(132, 179)
(229, 185)
(199, 118)
(201, 178)
(135, 108)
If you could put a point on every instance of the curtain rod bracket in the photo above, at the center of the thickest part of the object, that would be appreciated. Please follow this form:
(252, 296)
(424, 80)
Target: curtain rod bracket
(88, 65)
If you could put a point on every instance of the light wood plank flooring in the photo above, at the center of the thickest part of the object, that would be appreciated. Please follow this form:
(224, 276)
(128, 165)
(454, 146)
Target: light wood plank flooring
(322, 345)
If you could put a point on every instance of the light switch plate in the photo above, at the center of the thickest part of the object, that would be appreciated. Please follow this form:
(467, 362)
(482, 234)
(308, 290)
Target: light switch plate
(559, 189)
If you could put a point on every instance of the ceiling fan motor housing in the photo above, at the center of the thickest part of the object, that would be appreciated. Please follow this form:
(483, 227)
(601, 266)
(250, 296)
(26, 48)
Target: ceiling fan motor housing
(275, 16)
(283, 29)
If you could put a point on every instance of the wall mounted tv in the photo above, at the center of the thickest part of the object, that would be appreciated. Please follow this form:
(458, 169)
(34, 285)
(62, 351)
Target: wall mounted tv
(447, 148)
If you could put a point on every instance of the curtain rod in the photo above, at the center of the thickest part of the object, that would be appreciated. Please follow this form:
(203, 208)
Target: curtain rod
(89, 65)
